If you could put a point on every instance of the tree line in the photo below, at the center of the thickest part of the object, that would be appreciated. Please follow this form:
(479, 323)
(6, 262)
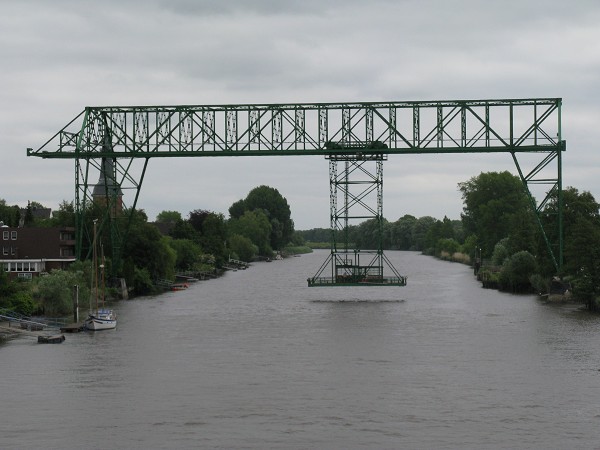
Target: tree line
(258, 226)
(499, 231)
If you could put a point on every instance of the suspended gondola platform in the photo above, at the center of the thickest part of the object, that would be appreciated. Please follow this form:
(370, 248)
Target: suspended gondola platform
(346, 269)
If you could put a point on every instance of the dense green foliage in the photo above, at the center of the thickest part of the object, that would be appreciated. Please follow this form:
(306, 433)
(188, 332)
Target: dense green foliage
(9, 215)
(15, 296)
(497, 227)
(495, 204)
(168, 216)
(425, 234)
(256, 227)
(581, 222)
(275, 207)
(51, 294)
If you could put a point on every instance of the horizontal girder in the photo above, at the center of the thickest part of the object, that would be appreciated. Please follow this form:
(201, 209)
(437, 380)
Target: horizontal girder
(330, 129)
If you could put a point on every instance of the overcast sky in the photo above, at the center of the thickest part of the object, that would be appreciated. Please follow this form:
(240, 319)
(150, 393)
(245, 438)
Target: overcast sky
(58, 56)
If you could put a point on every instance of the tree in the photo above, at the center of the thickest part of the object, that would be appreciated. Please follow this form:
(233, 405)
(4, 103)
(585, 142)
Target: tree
(316, 234)
(56, 291)
(419, 232)
(517, 270)
(402, 230)
(146, 249)
(214, 236)
(275, 207)
(500, 253)
(242, 247)
(184, 230)
(29, 219)
(169, 217)
(238, 209)
(368, 236)
(581, 233)
(197, 218)
(9, 215)
(255, 226)
(65, 216)
(494, 204)
(188, 253)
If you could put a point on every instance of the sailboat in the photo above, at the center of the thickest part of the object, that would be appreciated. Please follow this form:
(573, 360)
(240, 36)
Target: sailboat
(99, 318)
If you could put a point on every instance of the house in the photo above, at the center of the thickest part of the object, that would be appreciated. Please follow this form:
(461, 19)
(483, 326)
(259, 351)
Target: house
(28, 252)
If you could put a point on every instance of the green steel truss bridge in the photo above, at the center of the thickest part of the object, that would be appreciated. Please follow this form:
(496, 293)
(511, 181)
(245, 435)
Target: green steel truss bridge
(118, 142)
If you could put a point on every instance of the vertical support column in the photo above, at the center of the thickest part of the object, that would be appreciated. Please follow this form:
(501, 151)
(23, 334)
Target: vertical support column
(440, 126)
(333, 203)
(416, 127)
(253, 126)
(277, 140)
(323, 132)
(487, 124)
(369, 124)
(361, 185)
(300, 129)
(392, 134)
(231, 134)
(560, 188)
(463, 125)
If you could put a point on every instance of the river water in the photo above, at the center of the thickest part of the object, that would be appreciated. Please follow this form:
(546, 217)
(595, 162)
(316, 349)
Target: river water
(256, 359)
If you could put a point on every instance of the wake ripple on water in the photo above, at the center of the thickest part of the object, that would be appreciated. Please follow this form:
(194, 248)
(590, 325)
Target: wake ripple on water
(357, 300)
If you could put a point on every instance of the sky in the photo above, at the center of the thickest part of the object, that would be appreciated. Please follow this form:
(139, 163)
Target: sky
(59, 56)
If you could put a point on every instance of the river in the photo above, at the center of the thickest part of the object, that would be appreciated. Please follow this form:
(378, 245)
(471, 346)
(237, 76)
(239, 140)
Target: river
(256, 359)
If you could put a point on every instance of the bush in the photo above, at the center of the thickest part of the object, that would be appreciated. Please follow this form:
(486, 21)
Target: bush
(500, 253)
(23, 303)
(243, 247)
(540, 284)
(142, 281)
(448, 245)
(461, 258)
(56, 291)
(297, 249)
(516, 272)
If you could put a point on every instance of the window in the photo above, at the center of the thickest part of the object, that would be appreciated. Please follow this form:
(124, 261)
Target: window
(5, 235)
(5, 251)
(67, 251)
(26, 276)
(13, 235)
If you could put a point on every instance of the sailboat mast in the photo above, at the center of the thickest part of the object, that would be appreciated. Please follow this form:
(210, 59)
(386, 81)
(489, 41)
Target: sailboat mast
(95, 266)
(102, 266)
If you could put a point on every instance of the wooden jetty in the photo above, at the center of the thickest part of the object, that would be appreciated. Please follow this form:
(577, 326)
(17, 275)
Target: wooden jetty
(72, 328)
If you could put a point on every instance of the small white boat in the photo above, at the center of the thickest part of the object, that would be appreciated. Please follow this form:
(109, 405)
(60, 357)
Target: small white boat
(103, 319)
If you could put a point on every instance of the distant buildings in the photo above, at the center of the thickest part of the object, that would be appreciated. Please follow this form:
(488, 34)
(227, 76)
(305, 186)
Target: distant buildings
(28, 252)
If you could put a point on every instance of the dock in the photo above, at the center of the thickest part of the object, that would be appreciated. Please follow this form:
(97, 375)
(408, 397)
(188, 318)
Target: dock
(9, 331)
(72, 328)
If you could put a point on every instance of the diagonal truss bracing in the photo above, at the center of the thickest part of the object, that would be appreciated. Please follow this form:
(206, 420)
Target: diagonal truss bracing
(462, 126)
(126, 133)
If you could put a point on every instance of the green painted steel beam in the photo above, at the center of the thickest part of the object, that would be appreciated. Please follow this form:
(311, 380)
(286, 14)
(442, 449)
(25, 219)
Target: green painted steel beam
(468, 126)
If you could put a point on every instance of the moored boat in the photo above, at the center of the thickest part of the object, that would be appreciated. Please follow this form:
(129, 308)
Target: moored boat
(100, 318)
(179, 286)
